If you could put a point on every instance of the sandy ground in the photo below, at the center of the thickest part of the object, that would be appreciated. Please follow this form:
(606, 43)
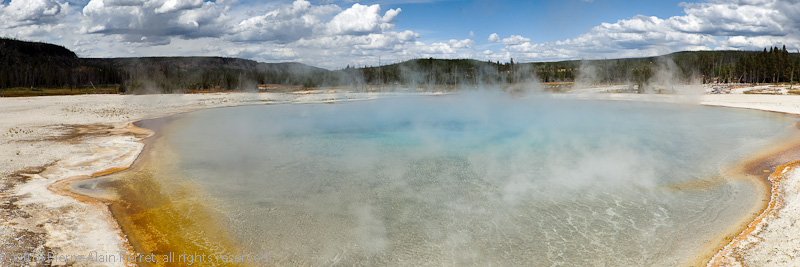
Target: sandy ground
(47, 141)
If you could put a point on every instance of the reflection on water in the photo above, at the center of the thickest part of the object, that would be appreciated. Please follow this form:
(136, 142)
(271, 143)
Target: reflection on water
(475, 179)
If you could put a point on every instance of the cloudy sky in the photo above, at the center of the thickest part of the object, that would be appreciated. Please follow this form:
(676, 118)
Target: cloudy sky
(333, 34)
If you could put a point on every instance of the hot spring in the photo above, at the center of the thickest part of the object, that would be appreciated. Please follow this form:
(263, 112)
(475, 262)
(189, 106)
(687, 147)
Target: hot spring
(471, 179)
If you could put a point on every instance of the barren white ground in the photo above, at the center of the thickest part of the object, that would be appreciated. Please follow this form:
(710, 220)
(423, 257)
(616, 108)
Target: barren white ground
(34, 133)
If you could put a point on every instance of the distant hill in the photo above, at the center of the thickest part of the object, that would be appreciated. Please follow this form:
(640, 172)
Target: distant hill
(33, 49)
(292, 67)
(771, 65)
(40, 65)
(28, 64)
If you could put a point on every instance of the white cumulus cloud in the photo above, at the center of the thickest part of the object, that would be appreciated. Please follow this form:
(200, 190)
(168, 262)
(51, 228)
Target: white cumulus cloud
(286, 24)
(361, 19)
(494, 38)
(155, 21)
(31, 12)
(716, 24)
(332, 35)
(178, 5)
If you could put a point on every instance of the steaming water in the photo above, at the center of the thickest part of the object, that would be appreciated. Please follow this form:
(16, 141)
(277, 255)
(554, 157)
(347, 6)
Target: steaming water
(477, 179)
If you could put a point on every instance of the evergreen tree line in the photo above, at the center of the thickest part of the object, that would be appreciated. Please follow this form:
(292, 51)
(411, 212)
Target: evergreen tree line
(772, 65)
(31, 65)
(40, 65)
(37, 65)
(775, 65)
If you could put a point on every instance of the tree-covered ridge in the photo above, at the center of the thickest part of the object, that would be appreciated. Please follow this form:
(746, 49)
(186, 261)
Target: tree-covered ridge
(28, 64)
(773, 65)
(36, 48)
(40, 65)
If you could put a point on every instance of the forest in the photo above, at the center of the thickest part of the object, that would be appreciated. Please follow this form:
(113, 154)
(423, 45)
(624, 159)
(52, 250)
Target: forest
(32, 65)
(773, 65)
(39, 65)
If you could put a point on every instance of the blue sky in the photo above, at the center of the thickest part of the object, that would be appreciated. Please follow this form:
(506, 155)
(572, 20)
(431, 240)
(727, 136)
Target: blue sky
(335, 33)
(542, 21)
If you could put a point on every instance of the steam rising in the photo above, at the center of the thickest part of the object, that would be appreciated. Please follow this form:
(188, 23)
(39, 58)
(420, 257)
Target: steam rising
(477, 178)
(659, 76)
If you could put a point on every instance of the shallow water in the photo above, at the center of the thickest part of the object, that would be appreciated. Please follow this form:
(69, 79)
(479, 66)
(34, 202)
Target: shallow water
(474, 179)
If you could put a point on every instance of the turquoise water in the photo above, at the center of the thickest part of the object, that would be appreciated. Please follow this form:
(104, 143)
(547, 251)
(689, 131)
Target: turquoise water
(474, 179)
